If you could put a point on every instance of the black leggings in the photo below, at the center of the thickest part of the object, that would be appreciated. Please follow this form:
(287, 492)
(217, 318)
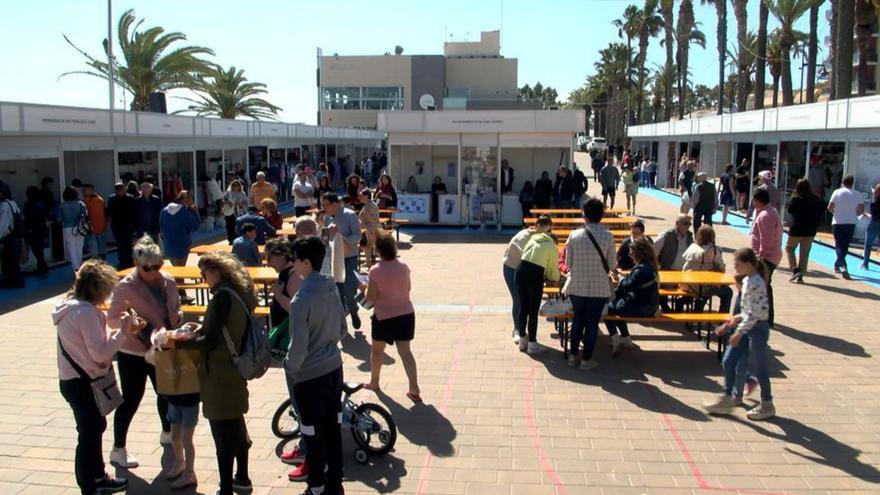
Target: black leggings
(230, 228)
(319, 402)
(133, 373)
(232, 443)
(530, 285)
(90, 426)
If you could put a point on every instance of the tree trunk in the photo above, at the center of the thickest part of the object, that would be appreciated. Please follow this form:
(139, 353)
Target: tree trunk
(864, 18)
(721, 7)
(812, 48)
(742, 78)
(787, 91)
(844, 58)
(667, 86)
(832, 52)
(628, 116)
(775, 91)
(643, 53)
(761, 59)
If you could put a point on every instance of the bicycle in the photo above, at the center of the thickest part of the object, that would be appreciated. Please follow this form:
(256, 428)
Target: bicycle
(371, 425)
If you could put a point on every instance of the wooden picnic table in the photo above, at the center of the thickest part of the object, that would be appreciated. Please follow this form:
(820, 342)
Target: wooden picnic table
(261, 275)
(575, 211)
(563, 234)
(385, 211)
(217, 246)
(580, 221)
(676, 277)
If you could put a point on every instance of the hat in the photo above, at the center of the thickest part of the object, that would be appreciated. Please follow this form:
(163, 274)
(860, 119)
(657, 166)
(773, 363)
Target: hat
(765, 174)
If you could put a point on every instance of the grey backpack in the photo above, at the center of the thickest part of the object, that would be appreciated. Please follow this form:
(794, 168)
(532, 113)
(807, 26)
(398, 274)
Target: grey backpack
(255, 357)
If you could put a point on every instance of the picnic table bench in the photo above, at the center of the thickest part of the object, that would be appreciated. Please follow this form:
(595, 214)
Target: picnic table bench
(578, 222)
(574, 211)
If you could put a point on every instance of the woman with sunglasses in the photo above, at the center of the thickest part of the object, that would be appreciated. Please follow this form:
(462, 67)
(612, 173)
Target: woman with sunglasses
(153, 296)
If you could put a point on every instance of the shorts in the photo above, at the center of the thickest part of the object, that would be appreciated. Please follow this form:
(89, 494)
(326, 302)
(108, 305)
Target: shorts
(393, 329)
(188, 416)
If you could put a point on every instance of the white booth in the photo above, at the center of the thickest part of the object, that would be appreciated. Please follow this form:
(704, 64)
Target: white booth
(465, 150)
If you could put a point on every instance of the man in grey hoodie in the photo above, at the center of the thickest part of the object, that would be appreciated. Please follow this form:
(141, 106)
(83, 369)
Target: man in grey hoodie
(314, 366)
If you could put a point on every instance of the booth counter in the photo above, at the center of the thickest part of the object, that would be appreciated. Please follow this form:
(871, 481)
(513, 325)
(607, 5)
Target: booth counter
(414, 207)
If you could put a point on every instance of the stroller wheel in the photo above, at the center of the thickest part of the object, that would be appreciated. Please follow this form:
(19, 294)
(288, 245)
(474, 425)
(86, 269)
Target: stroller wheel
(361, 456)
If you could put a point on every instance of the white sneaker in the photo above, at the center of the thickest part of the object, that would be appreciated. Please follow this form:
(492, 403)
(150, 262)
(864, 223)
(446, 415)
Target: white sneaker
(119, 457)
(762, 411)
(589, 364)
(523, 344)
(186, 479)
(515, 338)
(615, 345)
(165, 438)
(627, 342)
(724, 404)
(535, 348)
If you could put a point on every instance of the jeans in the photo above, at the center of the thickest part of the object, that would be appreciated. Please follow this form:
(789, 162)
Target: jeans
(723, 293)
(585, 324)
(232, 444)
(350, 288)
(90, 426)
(579, 200)
(871, 236)
(843, 234)
(770, 269)
(133, 374)
(510, 280)
(753, 343)
(702, 216)
(803, 244)
(320, 409)
(653, 179)
(124, 248)
(563, 203)
(97, 245)
(530, 285)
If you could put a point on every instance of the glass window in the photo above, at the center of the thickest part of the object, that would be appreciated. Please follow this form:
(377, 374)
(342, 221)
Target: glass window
(457, 92)
(383, 92)
(342, 98)
(371, 98)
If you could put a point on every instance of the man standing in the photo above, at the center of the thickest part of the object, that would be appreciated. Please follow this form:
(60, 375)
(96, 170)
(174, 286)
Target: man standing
(704, 201)
(506, 176)
(767, 184)
(563, 190)
(147, 208)
(846, 206)
(97, 211)
(345, 222)
(609, 177)
(303, 192)
(261, 189)
(652, 171)
(766, 238)
(120, 214)
(580, 186)
(596, 164)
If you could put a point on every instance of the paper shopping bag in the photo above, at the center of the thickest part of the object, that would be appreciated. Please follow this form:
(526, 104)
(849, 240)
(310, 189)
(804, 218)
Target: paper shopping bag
(177, 372)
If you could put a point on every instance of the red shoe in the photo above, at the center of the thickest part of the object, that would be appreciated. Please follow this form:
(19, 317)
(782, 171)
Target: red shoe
(293, 457)
(299, 473)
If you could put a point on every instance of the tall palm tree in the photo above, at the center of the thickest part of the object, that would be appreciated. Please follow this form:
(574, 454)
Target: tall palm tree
(843, 57)
(721, 38)
(606, 89)
(742, 31)
(778, 58)
(151, 61)
(787, 12)
(628, 28)
(812, 50)
(649, 25)
(686, 33)
(666, 10)
(761, 62)
(865, 16)
(227, 94)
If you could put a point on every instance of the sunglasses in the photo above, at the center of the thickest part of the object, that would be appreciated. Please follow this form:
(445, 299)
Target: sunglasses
(150, 268)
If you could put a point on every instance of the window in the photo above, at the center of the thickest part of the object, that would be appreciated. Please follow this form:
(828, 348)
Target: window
(363, 98)
(458, 92)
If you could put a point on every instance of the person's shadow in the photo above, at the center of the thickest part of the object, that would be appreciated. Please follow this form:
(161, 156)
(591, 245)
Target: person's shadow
(159, 483)
(855, 294)
(824, 342)
(826, 450)
(422, 425)
(357, 347)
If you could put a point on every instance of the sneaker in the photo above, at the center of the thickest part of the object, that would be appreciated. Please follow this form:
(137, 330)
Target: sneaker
(242, 486)
(293, 457)
(796, 274)
(186, 479)
(111, 485)
(800, 279)
(165, 438)
(627, 342)
(516, 338)
(589, 364)
(845, 274)
(836, 269)
(572, 361)
(119, 457)
(764, 410)
(299, 473)
(724, 404)
(751, 385)
(535, 348)
(615, 345)
(523, 344)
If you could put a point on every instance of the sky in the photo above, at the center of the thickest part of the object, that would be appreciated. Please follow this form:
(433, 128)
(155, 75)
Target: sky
(275, 41)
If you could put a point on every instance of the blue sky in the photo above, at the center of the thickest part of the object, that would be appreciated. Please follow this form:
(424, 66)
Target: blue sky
(275, 41)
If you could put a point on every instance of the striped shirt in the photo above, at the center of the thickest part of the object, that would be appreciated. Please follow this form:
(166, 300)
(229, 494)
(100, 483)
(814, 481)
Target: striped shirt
(587, 276)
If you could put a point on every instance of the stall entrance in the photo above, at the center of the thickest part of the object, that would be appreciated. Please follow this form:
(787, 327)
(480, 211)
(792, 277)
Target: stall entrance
(177, 175)
(792, 167)
(139, 166)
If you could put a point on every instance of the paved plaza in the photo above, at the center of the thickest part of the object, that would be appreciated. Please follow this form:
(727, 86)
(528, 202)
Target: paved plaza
(497, 421)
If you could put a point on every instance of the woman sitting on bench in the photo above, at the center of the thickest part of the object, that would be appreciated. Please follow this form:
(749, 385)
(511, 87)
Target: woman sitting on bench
(637, 294)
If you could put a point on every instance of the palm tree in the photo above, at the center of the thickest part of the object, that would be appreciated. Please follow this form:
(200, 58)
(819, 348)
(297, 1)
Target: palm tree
(605, 88)
(832, 52)
(686, 33)
(844, 55)
(227, 94)
(628, 27)
(742, 31)
(778, 58)
(666, 7)
(649, 24)
(761, 62)
(149, 62)
(744, 58)
(721, 37)
(812, 51)
(864, 21)
(787, 12)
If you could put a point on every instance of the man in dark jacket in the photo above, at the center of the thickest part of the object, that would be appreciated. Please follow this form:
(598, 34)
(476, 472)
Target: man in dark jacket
(563, 190)
(147, 208)
(543, 191)
(253, 217)
(704, 201)
(122, 218)
(580, 187)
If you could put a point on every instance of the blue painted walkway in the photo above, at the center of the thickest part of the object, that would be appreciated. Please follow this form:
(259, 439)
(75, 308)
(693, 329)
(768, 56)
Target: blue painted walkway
(820, 254)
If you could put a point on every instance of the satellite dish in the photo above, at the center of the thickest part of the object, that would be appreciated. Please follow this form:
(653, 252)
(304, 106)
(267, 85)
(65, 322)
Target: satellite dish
(426, 101)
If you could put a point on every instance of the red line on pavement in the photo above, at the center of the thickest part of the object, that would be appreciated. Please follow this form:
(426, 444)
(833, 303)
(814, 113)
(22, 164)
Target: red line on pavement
(425, 476)
(536, 439)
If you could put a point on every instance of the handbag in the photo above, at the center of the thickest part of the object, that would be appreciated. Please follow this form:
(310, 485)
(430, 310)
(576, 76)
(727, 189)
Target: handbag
(83, 224)
(104, 388)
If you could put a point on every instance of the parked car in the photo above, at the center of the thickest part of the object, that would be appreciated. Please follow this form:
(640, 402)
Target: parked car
(597, 144)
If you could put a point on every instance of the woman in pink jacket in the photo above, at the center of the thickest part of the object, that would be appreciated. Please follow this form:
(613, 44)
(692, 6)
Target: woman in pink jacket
(153, 295)
(85, 352)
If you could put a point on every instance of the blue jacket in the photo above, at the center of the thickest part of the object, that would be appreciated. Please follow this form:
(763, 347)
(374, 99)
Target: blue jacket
(246, 251)
(177, 223)
(147, 213)
(263, 227)
(637, 294)
(69, 213)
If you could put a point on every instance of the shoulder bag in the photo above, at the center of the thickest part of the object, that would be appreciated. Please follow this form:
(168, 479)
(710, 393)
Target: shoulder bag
(104, 388)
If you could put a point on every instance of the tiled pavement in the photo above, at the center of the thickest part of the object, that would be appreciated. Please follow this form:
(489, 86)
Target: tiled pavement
(500, 422)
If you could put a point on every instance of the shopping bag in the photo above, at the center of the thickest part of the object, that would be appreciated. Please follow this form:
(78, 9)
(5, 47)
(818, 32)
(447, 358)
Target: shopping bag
(177, 371)
(279, 339)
